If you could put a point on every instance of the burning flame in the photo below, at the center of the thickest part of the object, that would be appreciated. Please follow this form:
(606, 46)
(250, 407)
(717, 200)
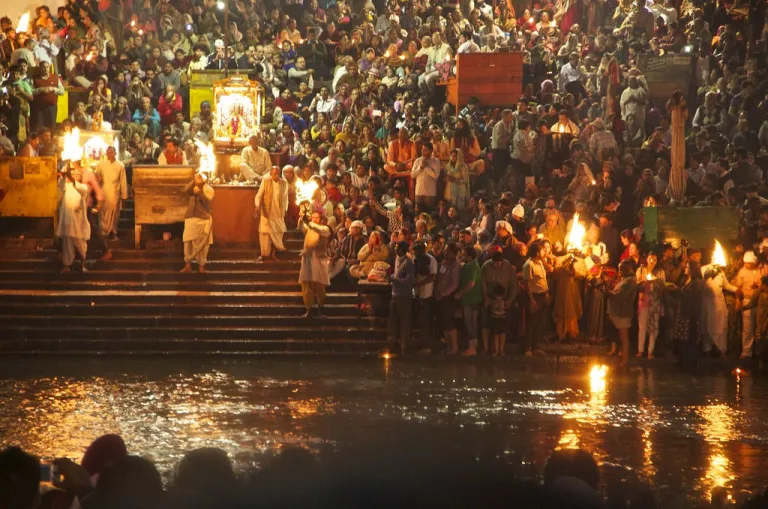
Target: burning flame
(305, 190)
(207, 158)
(72, 150)
(575, 238)
(649, 277)
(718, 255)
(597, 378)
(23, 24)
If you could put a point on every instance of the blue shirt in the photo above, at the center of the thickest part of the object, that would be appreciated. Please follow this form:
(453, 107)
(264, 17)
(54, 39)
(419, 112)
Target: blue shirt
(403, 277)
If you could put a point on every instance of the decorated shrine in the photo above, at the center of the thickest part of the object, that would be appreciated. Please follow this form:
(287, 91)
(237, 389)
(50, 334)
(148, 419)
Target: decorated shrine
(238, 106)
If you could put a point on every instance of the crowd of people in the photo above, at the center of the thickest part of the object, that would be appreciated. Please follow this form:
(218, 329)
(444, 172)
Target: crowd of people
(465, 212)
(109, 476)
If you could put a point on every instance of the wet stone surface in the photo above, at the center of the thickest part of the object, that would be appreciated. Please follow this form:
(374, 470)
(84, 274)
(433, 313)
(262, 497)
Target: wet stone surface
(680, 434)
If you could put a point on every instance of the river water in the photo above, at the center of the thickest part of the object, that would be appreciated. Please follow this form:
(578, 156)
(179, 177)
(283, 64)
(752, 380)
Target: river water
(682, 435)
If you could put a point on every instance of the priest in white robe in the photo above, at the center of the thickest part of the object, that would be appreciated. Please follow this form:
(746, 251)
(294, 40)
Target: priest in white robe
(115, 187)
(73, 227)
(271, 203)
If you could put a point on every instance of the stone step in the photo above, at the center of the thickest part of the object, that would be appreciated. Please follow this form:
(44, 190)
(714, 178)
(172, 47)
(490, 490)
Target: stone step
(182, 310)
(98, 275)
(193, 282)
(205, 318)
(215, 253)
(138, 298)
(80, 330)
(148, 265)
(283, 346)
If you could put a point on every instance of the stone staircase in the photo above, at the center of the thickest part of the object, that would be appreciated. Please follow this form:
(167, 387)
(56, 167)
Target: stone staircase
(139, 303)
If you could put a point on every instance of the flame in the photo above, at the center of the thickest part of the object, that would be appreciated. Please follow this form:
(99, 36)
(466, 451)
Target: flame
(23, 24)
(305, 190)
(718, 255)
(207, 158)
(597, 377)
(649, 277)
(386, 54)
(575, 237)
(72, 151)
(133, 23)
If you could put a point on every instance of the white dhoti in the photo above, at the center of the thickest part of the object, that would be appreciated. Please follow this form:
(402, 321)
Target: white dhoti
(71, 246)
(269, 240)
(109, 218)
(198, 237)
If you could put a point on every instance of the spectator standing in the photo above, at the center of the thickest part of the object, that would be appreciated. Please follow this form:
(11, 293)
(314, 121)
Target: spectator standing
(402, 280)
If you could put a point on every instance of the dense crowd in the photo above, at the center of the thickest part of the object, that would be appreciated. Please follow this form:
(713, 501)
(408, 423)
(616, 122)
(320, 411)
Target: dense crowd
(465, 211)
(390, 475)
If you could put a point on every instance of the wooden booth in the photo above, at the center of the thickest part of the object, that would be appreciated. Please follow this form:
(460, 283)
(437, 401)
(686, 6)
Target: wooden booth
(698, 225)
(496, 79)
(30, 187)
(158, 195)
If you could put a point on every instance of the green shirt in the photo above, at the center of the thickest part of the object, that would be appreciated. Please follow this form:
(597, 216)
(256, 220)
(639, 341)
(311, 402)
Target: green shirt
(470, 272)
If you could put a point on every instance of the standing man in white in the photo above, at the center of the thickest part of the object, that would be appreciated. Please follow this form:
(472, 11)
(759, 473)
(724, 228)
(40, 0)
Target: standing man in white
(115, 189)
(271, 202)
(313, 276)
(425, 172)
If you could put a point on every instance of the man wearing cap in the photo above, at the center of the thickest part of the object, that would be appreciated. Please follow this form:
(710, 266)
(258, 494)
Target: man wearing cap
(73, 227)
(254, 160)
(602, 143)
(347, 251)
(271, 203)
(747, 282)
(517, 220)
(505, 239)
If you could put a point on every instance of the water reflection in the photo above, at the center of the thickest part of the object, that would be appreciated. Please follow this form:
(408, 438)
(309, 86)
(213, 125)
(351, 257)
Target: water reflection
(681, 436)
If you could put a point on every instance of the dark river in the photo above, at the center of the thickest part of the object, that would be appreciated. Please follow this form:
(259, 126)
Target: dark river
(680, 434)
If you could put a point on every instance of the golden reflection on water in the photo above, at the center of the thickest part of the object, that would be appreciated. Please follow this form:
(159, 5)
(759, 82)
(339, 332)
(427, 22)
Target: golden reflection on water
(634, 423)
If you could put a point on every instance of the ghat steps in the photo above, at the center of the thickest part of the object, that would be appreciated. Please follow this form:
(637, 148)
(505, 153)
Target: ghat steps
(139, 303)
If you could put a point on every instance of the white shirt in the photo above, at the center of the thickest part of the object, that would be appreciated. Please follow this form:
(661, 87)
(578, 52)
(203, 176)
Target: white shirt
(321, 105)
(468, 47)
(45, 51)
(568, 74)
(426, 291)
(254, 164)
(326, 161)
(426, 171)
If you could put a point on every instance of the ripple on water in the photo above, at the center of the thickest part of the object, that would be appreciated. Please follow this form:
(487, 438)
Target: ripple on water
(680, 435)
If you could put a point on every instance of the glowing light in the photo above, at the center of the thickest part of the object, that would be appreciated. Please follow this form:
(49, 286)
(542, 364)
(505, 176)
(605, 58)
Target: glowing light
(447, 58)
(386, 54)
(207, 158)
(72, 151)
(133, 23)
(305, 190)
(386, 356)
(718, 255)
(141, 32)
(220, 5)
(23, 24)
(650, 277)
(575, 237)
(569, 440)
(594, 182)
(597, 378)
(402, 57)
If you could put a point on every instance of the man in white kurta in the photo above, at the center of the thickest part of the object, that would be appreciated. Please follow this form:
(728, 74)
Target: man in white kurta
(254, 160)
(73, 227)
(714, 310)
(633, 101)
(115, 188)
(313, 275)
(272, 203)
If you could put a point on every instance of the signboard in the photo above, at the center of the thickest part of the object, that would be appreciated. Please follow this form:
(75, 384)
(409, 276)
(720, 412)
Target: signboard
(666, 73)
(698, 225)
(30, 185)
